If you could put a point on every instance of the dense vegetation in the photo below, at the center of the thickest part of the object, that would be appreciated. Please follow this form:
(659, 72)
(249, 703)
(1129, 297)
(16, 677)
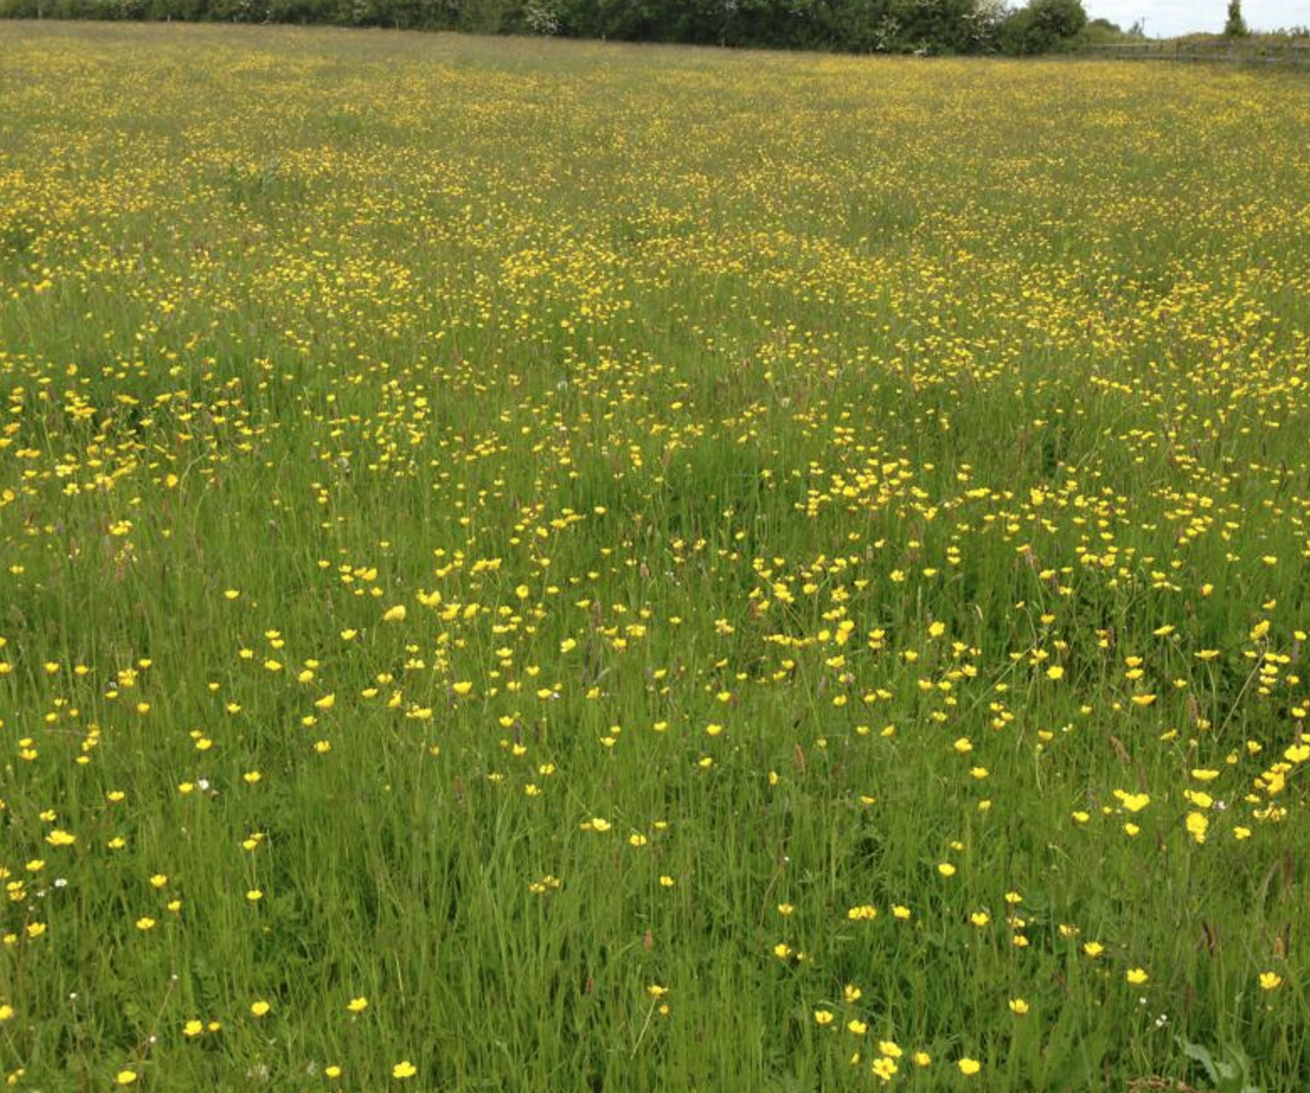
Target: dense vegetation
(1235, 24)
(859, 26)
(512, 579)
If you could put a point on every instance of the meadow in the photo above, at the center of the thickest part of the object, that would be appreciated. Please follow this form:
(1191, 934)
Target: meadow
(542, 566)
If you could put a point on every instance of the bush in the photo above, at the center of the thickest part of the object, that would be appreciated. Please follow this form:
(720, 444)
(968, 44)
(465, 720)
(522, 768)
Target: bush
(1044, 26)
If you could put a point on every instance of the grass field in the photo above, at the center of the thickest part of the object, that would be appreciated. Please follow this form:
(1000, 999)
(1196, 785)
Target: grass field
(535, 566)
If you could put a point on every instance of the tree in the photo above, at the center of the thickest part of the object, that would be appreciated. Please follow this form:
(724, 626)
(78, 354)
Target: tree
(1235, 27)
(1044, 26)
(857, 26)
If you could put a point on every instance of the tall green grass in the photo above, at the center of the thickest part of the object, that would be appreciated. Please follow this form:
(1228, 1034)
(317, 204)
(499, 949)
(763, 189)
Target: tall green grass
(817, 470)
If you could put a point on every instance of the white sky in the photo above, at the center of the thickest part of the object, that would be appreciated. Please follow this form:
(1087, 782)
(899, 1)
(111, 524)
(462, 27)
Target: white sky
(1169, 17)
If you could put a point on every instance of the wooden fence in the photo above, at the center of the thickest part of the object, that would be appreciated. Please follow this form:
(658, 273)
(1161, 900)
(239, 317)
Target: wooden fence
(1295, 51)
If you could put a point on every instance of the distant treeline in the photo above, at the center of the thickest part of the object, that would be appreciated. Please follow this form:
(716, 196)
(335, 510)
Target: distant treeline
(857, 26)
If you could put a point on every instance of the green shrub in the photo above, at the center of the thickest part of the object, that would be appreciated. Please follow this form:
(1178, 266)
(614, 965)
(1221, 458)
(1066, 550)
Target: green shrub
(1044, 26)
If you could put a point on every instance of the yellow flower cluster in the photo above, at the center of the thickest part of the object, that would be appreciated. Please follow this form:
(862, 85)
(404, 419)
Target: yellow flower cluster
(560, 566)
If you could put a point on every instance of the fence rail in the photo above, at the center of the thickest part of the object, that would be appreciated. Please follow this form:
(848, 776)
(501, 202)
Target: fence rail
(1258, 51)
